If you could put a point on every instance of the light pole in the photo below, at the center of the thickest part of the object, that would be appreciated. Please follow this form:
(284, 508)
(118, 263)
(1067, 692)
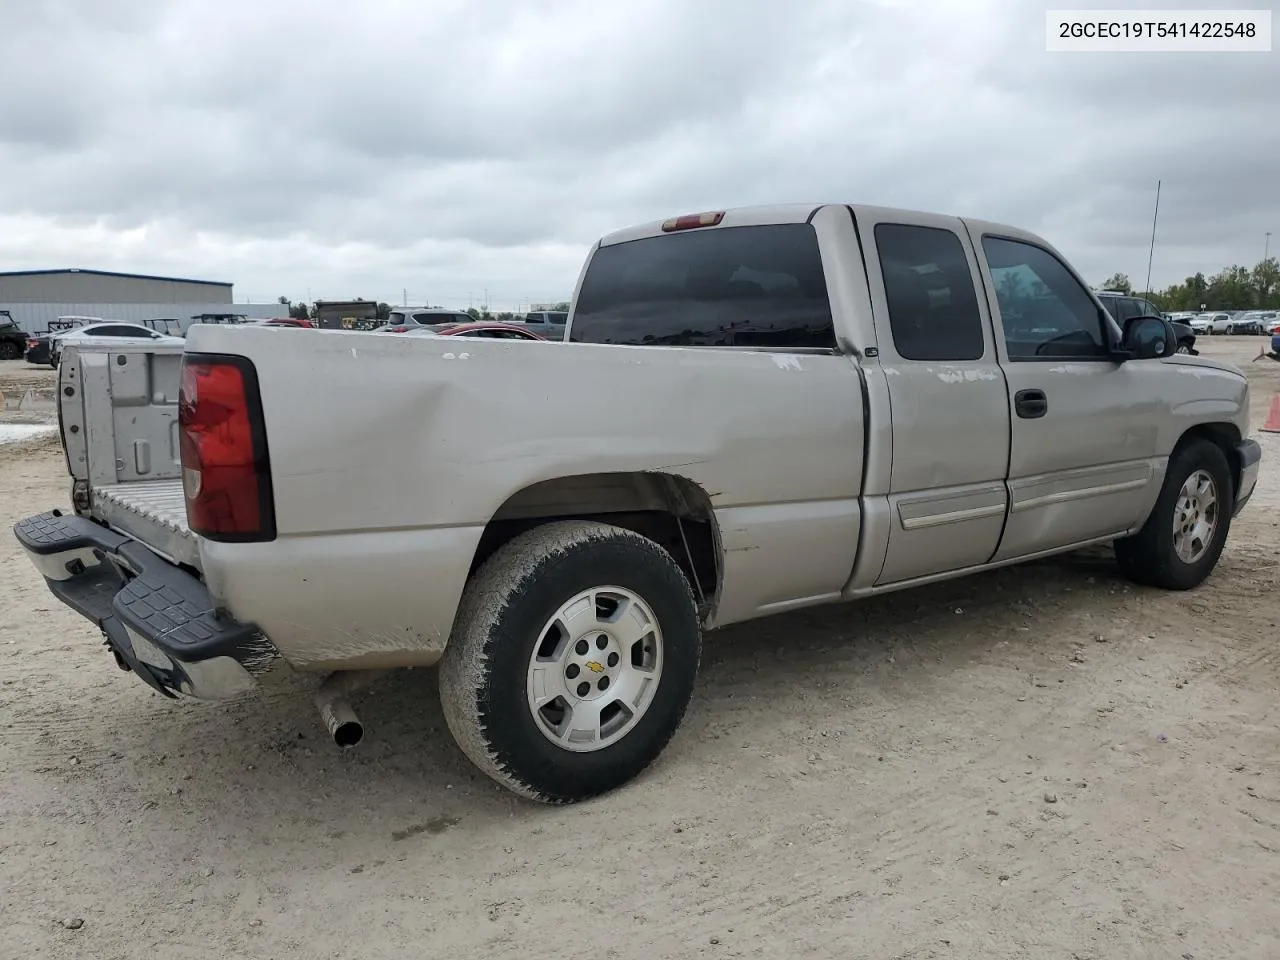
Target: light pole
(1155, 217)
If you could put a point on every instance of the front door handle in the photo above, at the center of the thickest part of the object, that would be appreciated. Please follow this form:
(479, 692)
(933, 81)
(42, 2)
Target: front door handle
(1030, 404)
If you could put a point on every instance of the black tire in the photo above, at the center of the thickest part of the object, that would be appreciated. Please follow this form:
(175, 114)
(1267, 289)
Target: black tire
(483, 673)
(9, 350)
(1230, 329)
(1148, 557)
(1184, 347)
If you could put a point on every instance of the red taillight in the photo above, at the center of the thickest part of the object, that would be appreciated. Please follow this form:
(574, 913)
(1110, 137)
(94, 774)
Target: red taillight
(399, 329)
(32, 344)
(692, 220)
(226, 475)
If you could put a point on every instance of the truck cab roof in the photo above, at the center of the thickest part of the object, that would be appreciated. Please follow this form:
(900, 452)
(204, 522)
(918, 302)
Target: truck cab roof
(763, 214)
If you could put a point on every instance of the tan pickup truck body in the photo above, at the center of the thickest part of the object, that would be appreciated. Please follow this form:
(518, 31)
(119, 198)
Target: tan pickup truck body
(753, 411)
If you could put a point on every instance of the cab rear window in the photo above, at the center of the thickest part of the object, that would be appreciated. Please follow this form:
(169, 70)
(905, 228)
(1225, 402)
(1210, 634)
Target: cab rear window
(759, 286)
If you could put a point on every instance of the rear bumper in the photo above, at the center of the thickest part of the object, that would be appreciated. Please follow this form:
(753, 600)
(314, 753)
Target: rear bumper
(158, 620)
(1250, 453)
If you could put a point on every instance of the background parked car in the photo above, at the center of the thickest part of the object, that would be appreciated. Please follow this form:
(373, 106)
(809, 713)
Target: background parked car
(1254, 322)
(549, 324)
(1219, 323)
(1124, 306)
(219, 318)
(409, 318)
(131, 332)
(13, 341)
(490, 329)
(39, 344)
(297, 323)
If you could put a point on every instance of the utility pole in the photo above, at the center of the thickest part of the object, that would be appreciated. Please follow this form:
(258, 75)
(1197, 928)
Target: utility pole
(404, 296)
(1266, 247)
(1152, 254)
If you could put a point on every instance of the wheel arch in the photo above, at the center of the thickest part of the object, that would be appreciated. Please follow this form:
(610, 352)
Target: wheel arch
(669, 509)
(1225, 436)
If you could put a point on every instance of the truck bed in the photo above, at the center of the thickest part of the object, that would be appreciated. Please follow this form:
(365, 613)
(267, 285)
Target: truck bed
(118, 407)
(153, 511)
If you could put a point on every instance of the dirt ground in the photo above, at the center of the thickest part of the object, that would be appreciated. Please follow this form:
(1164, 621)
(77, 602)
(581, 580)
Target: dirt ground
(1040, 762)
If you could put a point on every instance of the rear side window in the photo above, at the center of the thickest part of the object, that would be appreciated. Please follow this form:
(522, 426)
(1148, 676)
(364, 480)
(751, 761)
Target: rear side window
(395, 319)
(720, 287)
(933, 304)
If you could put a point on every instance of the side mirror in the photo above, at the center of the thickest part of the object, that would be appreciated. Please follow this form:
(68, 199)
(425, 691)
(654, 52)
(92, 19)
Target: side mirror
(1147, 338)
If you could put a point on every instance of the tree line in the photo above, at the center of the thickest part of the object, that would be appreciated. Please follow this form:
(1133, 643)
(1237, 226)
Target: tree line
(1234, 288)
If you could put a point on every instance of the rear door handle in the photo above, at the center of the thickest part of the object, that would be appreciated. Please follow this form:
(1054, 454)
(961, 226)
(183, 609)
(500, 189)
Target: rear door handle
(1030, 404)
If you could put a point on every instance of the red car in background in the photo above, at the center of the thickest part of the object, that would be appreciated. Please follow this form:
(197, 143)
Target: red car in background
(491, 329)
(287, 322)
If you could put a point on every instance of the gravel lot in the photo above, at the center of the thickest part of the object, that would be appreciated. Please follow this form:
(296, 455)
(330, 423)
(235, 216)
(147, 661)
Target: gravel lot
(1038, 762)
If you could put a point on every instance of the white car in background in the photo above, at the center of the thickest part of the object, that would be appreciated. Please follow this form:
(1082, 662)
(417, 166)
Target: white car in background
(1215, 323)
(130, 333)
(1201, 323)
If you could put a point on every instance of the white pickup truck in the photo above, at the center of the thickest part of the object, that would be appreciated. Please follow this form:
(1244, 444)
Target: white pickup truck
(755, 411)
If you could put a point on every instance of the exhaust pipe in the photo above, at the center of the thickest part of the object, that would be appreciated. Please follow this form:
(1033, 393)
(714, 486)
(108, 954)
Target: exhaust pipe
(344, 726)
(331, 700)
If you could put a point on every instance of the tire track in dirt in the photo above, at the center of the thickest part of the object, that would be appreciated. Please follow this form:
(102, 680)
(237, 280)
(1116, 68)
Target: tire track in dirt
(771, 825)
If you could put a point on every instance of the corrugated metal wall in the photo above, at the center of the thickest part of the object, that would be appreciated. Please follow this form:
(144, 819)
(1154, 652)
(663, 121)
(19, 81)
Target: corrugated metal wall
(85, 286)
(35, 317)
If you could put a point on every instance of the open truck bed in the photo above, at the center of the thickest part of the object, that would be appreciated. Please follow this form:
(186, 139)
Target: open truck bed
(118, 411)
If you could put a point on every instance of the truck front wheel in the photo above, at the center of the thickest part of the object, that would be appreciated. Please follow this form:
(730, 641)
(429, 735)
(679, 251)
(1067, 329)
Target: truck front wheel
(572, 660)
(1179, 545)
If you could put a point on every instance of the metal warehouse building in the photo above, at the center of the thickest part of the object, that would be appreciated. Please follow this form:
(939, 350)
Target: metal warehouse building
(100, 286)
(34, 297)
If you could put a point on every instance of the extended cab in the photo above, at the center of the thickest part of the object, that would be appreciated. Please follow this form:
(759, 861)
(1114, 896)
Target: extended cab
(755, 411)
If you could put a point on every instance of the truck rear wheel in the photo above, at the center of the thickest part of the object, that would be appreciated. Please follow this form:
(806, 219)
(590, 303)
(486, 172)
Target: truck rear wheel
(572, 660)
(9, 350)
(1179, 545)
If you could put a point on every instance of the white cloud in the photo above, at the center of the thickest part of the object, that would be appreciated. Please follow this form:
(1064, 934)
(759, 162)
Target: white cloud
(361, 149)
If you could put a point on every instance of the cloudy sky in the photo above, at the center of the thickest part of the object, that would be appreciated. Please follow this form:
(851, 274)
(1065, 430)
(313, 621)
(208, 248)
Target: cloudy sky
(442, 147)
